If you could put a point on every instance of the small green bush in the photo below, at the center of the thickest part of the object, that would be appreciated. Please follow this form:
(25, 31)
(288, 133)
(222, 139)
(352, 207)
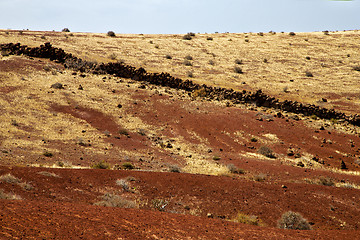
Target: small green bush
(101, 165)
(293, 220)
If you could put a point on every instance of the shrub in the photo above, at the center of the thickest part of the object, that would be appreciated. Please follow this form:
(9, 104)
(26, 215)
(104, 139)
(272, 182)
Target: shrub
(128, 166)
(112, 56)
(190, 74)
(123, 132)
(174, 168)
(168, 56)
(260, 177)
(356, 68)
(209, 38)
(188, 57)
(326, 181)
(253, 139)
(238, 70)
(293, 220)
(292, 34)
(212, 62)
(101, 165)
(187, 37)
(48, 174)
(124, 184)
(266, 151)
(308, 74)
(113, 200)
(65, 30)
(48, 154)
(111, 34)
(187, 63)
(216, 158)
(238, 61)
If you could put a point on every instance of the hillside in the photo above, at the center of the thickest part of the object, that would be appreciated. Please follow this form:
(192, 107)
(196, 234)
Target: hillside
(177, 156)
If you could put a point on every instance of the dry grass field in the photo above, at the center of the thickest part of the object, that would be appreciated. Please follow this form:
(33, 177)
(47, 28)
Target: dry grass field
(174, 157)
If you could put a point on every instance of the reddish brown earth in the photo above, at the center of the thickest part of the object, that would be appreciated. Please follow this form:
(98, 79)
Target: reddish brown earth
(59, 202)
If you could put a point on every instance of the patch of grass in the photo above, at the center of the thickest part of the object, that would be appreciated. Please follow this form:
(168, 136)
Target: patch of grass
(113, 200)
(101, 165)
(293, 220)
(248, 219)
(266, 151)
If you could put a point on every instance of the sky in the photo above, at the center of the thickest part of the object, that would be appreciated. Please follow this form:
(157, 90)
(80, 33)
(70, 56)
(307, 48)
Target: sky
(180, 16)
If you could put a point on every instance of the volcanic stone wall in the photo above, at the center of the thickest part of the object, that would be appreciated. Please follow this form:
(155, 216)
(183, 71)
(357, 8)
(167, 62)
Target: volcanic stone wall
(166, 80)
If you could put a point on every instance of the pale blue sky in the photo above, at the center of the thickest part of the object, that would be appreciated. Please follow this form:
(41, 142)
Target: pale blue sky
(180, 16)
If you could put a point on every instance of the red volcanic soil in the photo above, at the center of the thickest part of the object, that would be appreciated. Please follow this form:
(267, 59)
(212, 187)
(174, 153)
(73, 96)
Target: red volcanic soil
(60, 203)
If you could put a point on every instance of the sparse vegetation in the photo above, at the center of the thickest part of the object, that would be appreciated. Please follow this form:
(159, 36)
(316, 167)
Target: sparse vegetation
(113, 200)
(260, 177)
(199, 93)
(248, 219)
(266, 151)
(238, 61)
(123, 183)
(187, 37)
(101, 165)
(356, 68)
(9, 178)
(65, 30)
(293, 220)
(48, 154)
(48, 174)
(292, 34)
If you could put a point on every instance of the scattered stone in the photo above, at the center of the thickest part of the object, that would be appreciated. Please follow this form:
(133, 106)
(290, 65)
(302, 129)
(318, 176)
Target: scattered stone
(300, 164)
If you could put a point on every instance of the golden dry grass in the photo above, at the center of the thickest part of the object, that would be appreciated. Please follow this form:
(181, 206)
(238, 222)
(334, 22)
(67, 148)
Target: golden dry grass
(330, 58)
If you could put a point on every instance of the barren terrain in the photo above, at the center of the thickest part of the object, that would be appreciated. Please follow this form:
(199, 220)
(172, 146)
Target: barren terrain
(179, 166)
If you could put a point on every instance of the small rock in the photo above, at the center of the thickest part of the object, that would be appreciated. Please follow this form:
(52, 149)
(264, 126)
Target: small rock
(283, 186)
(210, 215)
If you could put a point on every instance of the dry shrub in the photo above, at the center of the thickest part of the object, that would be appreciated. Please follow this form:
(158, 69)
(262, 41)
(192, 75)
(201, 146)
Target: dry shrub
(101, 165)
(248, 219)
(160, 204)
(293, 220)
(188, 57)
(266, 151)
(111, 34)
(233, 169)
(48, 174)
(9, 178)
(260, 177)
(187, 63)
(326, 181)
(9, 196)
(238, 70)
(123, 183)
(113, 200)
(174, 168)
